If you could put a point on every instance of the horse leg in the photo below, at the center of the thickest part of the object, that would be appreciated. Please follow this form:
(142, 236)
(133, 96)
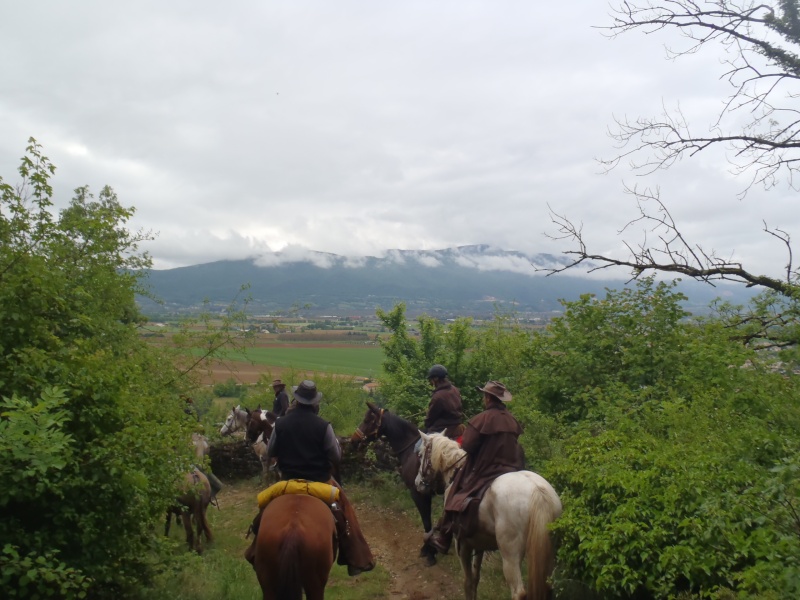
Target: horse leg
(477, 562)
(168, 523)
(511, 570)
(186, 517)
(423, 503)
(199, 518)
(204, 522)
(470, 583)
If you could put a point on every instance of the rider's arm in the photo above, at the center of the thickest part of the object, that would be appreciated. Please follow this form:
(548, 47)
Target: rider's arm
(471, 440)
(271, 445)
(331, 445)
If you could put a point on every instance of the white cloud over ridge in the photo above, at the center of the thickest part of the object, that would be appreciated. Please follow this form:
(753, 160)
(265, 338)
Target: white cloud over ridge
(273, 131)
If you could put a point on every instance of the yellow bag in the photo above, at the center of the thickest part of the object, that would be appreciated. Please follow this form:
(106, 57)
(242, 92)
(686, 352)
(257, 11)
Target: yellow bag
(324, 491)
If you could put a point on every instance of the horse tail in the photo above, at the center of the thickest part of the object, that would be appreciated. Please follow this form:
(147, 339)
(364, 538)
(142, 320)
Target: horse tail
(290, 580)
(544, 508)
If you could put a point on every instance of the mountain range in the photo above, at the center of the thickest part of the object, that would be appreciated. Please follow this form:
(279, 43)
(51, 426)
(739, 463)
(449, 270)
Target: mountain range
(467, 280)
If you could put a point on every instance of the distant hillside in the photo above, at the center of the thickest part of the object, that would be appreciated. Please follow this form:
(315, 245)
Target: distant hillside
(469, 280)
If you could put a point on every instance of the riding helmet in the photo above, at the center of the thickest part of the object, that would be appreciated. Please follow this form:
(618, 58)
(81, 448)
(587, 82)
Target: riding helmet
(437, 372)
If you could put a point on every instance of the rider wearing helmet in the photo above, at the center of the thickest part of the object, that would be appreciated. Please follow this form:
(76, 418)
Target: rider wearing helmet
(444, 413)
(492, 447)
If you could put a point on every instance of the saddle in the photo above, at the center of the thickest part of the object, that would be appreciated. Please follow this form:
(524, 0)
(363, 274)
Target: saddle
(324, 491)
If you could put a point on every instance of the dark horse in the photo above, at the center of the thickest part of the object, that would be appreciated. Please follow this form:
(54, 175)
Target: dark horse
(402, 436)
(295, 548)
(192, 504)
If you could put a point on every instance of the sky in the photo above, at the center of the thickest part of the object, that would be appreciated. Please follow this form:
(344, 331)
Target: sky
(245, 128)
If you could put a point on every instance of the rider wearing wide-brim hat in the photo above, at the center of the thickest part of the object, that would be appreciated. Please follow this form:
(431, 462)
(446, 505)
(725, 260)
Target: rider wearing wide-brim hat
(445, 414)
(281, 403)
(306, 447)
(491, 441)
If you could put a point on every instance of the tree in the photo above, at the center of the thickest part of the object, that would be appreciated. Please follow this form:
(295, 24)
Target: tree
(92, 429)
(763, 45)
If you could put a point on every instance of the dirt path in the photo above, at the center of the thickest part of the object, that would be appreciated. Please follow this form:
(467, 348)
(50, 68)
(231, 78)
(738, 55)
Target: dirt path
(395, 541)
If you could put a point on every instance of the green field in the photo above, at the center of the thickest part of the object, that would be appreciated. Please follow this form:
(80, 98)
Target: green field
(360, 361)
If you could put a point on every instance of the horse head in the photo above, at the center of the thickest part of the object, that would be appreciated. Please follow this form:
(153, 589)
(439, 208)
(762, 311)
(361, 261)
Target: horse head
(370, 426)
(439, 458)
(237, 419)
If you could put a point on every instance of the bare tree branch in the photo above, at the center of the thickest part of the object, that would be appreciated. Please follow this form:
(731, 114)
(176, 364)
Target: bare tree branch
(761, 67)
(674, 254)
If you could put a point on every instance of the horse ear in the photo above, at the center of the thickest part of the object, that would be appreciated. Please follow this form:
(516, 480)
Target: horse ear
(372, 406)
(425, 437)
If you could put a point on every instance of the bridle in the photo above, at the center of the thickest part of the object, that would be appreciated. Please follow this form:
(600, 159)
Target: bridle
(231, 424)
(372, 434)
(427, 475)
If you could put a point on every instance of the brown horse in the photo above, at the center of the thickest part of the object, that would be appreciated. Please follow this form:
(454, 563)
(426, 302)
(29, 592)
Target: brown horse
(260, 424)
(295, 548)
(192, 504)
(402, 436)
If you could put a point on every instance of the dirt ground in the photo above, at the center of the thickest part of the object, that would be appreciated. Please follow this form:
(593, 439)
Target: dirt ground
(395, 541)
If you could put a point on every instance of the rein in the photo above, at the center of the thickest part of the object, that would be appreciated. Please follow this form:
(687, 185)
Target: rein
(374, 433)
(426, 465)
(363, 436)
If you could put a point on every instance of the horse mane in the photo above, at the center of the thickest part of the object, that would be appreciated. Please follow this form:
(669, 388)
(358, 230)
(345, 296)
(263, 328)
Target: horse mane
(446, 454)
(396, 425)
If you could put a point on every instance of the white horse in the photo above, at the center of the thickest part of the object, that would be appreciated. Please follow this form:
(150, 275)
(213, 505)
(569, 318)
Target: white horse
(513, 518)
(236, 421)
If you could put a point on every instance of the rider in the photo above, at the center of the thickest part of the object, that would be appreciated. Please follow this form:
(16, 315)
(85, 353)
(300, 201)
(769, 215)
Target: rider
(444, 413)
(281, 403)
(492, 447)
(306, 448)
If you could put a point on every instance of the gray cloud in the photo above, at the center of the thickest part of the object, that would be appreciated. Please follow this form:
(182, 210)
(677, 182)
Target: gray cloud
(351, 127)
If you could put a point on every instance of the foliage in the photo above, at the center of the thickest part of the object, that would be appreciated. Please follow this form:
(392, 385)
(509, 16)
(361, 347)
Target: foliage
(88, 411)
(39, 576)
(230, 389)
(670, 436)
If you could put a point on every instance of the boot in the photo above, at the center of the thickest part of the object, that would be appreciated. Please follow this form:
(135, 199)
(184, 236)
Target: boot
(343, 533)
(441, 536)
(250, 553)
(440, 540)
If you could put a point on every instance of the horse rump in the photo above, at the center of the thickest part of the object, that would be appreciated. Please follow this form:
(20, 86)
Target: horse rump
(294, 548)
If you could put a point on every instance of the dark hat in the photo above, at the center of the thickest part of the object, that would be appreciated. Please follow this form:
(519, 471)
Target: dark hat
(306, 393)
(278, 383)
(437, 372)
(496, 389)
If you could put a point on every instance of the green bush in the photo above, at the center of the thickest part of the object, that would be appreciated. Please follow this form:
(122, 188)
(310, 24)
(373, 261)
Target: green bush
(88, 411)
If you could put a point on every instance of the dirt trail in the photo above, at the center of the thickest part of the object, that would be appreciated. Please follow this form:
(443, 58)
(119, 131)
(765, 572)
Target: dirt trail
(395, 541)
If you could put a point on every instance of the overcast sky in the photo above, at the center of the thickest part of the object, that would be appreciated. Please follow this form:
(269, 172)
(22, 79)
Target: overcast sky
(357, 127)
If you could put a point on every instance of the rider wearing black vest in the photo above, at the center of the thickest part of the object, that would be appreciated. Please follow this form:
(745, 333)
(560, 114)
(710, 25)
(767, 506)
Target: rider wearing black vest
(306, 448)
(299, 443)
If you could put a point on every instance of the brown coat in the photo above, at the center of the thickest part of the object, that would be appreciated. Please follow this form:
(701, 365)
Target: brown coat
(490, 442)
(444, 409)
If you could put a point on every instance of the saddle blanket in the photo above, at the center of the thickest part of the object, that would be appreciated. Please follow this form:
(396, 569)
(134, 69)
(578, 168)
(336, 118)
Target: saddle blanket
(324, 491)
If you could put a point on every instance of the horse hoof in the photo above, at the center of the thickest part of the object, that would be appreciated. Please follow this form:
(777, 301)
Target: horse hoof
(430, 560)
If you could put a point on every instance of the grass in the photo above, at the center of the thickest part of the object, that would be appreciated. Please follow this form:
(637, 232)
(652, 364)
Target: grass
(364, 361)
